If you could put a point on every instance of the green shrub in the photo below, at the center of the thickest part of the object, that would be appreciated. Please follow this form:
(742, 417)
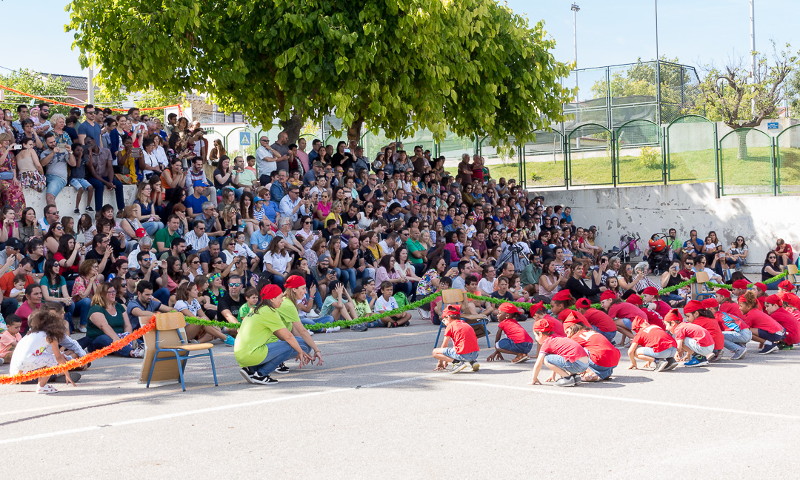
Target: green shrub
(651, 158)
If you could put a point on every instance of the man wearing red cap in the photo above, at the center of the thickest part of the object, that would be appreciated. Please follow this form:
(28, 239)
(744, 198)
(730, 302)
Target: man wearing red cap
(739, 287)
(773, 305)
(464, 352)
(517, 342)
(256, 356)
(564, 356)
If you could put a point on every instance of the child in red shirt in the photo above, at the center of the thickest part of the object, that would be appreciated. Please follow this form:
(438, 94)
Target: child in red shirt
(692, 340)
(735, 328)
(598, 319)
(786, 292)
(766, 330)
(517, 342)
(564, 356)
(653, 317)
(774, 308)
(651, 298)
(623, 313)
(538, 312)
(652, 344)
(464, 352)
(603, 356)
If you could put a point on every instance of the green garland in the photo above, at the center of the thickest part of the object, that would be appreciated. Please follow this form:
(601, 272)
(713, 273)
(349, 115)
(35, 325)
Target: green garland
(749, 285)
(683, 284)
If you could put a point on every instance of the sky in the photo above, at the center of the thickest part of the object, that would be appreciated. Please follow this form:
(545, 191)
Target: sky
(697, 32)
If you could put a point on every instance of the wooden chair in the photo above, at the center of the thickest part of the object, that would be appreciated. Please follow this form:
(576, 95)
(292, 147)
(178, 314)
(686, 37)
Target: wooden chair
(456, 296)
(702, 278)
(170, 324)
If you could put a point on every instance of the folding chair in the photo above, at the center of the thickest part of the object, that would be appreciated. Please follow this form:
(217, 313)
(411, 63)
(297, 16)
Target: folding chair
(456, 295)
(701, 278)
(170, 324)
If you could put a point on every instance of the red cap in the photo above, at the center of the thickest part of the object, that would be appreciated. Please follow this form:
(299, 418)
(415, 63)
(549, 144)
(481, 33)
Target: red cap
(608, 295)
(635, 300)
(542, 325)
(583, 303)
(710, 303)
(536, 307)
(673, 316)
(562, 296)
(774, 299)
(693, 306)
(722, 292)
(786, 285)
(571, 320)
(452, 311)
(270, 291)
(638, 324)
(294, 281)
(742, 299)
(740, 284)
(509, 308)
(761, 286)
(650, 291)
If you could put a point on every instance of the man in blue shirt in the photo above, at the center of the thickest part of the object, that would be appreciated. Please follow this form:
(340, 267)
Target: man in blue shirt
(259, 240)
(89, 128)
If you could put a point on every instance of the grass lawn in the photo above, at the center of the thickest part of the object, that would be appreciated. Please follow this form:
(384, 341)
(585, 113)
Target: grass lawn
(738, 175)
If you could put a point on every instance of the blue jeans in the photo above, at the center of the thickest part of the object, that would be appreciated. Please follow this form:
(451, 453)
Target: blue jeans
(576, 367)
(507, 344)
(671, 297)
(602, 372)
(278, 352)
(312, 321)
(82, 310)
(348, 277)
(733, 338)
(99, 188)
(103, 341)
(152, 227)
(162, 295)
(55, 184)
(317, 300)
(462, 357)
(648, 352)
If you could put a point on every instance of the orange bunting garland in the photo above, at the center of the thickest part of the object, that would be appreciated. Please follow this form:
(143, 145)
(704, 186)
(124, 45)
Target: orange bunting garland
(79, 362)
(56, 102)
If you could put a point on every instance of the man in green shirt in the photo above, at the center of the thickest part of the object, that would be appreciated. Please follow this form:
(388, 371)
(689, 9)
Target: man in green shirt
(416, 251)
(674, 244)
(244, 179)
(253, 350)
(165, 236)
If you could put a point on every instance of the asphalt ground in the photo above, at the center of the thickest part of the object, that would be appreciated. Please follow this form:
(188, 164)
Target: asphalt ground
(376, 408)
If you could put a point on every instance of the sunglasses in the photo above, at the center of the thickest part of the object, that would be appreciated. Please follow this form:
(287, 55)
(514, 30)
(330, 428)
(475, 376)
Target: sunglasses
(234, 284)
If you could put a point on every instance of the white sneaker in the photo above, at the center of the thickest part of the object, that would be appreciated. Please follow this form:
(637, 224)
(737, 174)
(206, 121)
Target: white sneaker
(310, 332)
(81, 329)
(312, 314)
(332, 329)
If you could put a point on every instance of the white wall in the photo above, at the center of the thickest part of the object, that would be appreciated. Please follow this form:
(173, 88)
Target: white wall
(66, 200)
(651, 209)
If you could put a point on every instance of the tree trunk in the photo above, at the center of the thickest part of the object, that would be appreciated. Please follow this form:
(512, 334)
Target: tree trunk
(354, 131)
(292, 127)
(742, 154)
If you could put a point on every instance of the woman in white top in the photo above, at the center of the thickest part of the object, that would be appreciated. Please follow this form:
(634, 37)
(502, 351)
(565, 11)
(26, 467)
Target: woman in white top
(277, 261)
(406, 270)
(160, 152)
(549, 279)
(365, 218)
(189, 305)
(148, 163)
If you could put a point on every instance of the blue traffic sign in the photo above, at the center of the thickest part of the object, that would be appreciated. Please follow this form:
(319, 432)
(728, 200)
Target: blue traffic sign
(773, 126)
(244, 138)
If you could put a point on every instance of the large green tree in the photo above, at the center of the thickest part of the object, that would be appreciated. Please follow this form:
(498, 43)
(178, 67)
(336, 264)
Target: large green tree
(35, 83)
(731, 95)
(472, 66)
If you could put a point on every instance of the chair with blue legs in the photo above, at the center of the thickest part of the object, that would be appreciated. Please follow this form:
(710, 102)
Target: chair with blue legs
(180, 350)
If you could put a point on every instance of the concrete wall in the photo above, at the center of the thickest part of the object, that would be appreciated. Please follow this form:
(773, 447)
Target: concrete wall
(647, 210)
(66, 200)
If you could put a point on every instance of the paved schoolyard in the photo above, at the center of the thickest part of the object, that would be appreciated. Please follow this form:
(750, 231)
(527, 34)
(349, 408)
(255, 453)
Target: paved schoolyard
(376, 409)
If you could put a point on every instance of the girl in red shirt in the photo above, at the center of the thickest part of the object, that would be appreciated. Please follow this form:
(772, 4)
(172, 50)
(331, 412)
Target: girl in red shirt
(517, 342)
(652, 344)
(786, 292)
(653, 317)
(774, 308)
(538, 312)
(692, 339)
(603, 356)
(650, 296)
(623, 313)
(765, 329)
(702, 313)
(565, 357)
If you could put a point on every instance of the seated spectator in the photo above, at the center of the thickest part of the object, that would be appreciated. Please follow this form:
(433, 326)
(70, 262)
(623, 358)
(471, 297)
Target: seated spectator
(108, 323)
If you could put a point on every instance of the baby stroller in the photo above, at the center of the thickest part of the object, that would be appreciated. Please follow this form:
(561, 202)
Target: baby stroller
(514, 254)
(628, 247)
(658, 259)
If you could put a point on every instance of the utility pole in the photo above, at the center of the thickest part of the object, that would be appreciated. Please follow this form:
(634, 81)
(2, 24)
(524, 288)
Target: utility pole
(753, 52)
(90, 86)
(658, 73)
(575, 9)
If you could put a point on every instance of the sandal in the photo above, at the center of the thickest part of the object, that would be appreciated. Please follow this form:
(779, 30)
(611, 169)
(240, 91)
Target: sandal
(47, 389)
(521, 359)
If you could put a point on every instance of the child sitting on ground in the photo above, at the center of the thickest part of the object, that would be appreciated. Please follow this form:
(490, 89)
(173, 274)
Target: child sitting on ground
(692, 340)
(652, 344)
(39, 348)
(464, 352)
(9, 338)
(564, 356)
(337, 305)
(362, 307)
(517, 342)
(386, 302)
(603, 356)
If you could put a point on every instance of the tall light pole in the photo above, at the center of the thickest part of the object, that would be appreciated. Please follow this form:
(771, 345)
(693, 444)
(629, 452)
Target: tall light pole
(753, 51)
(658, 71)
(575, 9)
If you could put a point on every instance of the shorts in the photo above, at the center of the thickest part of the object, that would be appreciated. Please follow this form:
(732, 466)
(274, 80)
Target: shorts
(463, 357)
(648, 352)
(771, 337)
(576, 367)
(609, 335)
(507, 344)
(694, 346)
(627, 322)
(602, 372)
(80, 183)
(55, 184)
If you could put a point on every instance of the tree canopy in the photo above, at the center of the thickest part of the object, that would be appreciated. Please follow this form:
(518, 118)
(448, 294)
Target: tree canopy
(470, 66)
(35, 83)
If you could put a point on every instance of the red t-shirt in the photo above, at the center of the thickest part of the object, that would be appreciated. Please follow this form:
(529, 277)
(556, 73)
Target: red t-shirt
(625, 310)
(654, 337)
(758, 319)
(653, 318)
(514, 331)
(712, 325)
(464, 339)
(65, 270)
(601, 352)
(563, 314)
(789, 323)
(565, 347)
(662, 308)
(558, 327)
(692, 330)
(600, 319)
(7, 282)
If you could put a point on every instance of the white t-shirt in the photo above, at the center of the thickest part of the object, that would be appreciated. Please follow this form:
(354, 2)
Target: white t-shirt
(193, 306)
(265, 167)
(32, 352)
(279, 262)
(486, 286)
(382, 305)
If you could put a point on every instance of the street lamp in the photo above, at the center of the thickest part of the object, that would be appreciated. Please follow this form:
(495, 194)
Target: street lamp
(575, 9)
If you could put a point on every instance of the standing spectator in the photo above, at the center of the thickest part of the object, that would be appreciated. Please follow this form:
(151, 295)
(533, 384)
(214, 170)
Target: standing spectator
(89, 128)
(10, 188)
(281, 146)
